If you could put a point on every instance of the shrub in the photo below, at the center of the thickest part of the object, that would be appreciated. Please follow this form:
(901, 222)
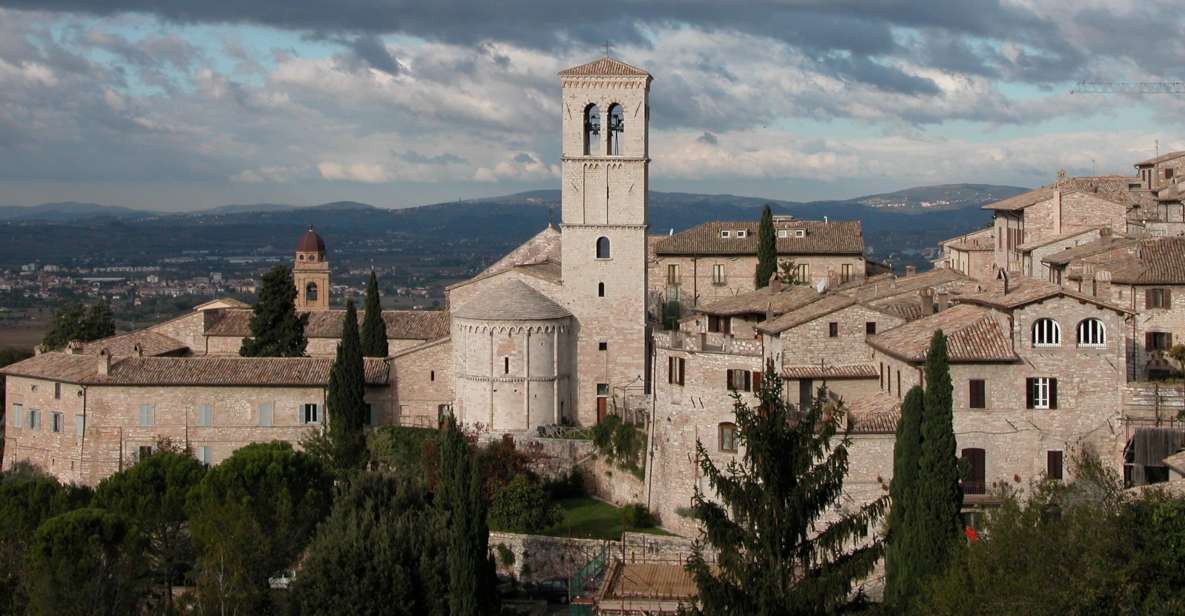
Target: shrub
(637, 516)
(505, 555)
(570, 486)
(522, 506)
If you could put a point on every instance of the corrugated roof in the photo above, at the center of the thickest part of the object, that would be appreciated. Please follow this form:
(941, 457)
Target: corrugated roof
(972, 335)
(207, 370)
(833, 237)
(762, 301)
(511, 300)
(853, 371)
(604, 67)
(151, 343)
(401, 324)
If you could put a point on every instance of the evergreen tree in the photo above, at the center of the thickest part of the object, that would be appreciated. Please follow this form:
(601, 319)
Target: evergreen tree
(345, 399)
(374, 329)
(276, 329)
(767, 249)
(900, 585)
(78, 322)
(776, 554)
(471, 578)
(938, 496)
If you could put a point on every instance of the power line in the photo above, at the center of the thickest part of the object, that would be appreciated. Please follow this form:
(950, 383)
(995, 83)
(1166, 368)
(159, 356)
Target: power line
(1129, 87)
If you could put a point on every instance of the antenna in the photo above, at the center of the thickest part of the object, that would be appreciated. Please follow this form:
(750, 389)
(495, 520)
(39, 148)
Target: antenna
(606, 49)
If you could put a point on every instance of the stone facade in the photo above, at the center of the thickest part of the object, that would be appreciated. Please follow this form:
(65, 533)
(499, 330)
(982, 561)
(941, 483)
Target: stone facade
(424, 384)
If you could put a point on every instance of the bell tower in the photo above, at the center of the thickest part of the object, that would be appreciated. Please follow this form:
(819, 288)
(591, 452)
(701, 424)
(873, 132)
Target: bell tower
(606, 163)
(310, 272)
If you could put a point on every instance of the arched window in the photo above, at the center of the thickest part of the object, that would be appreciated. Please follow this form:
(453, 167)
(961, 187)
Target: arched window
(310, 292)
(1046, 332)
(602, 247)
(592, 130)
(616, 128)
(600, 289)
(728, 437)
(1091, 332)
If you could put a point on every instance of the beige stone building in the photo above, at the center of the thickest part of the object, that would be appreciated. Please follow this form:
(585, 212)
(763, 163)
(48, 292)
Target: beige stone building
(719, 259)
(972, 254)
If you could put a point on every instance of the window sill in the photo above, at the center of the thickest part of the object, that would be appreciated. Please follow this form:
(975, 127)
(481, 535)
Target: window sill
(1046, 346)
(1092, 346)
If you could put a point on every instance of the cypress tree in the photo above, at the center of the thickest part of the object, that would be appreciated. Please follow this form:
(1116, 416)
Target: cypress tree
(778, 554)
(276, 329)
(767, 249)
(374, 329)
(938, 497)
(471, 577)
(345, 399)
(900, 585)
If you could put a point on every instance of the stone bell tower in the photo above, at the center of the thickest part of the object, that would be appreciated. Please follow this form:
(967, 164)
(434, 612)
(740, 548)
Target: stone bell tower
(310, 271)
(605, 179)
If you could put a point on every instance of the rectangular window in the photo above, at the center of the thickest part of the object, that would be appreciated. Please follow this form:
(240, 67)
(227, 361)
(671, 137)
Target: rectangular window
(800, 233)
(739, 380)
(804, 273)
(34, 419)
(899, 383)
(18, 412)
(1158, 341)
(310, 414)
(265, 415)
(845, 272)
(718, 274)
(719, 325)
(1168, 173)
(728, 437)
(602, 389)
(742, 233)
(56, 422)
(675, 370)
(870, 328)
(1041, 393)
(724, 233)
(203, 455)
(1053, 465)
(673, 274)
(783, 233)
(79, 427)
(976, 480)
(882, 375)
(602, 346)
(57, 391)
(205, 415)
(143, 451)
(977, 395)
(372, 418)
(147, 416)
(833, 329)
(1158, 298)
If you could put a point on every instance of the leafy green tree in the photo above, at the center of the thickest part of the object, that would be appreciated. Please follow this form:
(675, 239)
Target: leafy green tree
(767, 249)
(78, 322)
(151, 495)
(522, 506)
(377, 553)
(776, 553)
(374, 329)
(788, 272)
(471, 580)
(275, 496)
(28, 497)
(276, 329)
(85, 562)
(900, 585)
(938, 498)
(232, 566)
(345, 399)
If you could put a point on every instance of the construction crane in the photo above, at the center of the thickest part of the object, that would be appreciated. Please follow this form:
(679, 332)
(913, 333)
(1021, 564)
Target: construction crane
(1129, 87)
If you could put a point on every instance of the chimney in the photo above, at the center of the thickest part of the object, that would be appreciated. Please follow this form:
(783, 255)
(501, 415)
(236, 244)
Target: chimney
(1057, 211)
(943, 300)
(1105, 233)
(138, 350)
(926, 299)
(775, 283)
(73, 347)
(1004, 276)
(104, 362)
(910, 270)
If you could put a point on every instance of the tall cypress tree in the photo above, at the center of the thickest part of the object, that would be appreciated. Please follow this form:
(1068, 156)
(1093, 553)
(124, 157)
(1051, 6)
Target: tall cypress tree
(374, 329)
(938, 497)
(471, 577)
(900, 584)
(767, 249)
(777, 553)
(276, 329)
(345, 400)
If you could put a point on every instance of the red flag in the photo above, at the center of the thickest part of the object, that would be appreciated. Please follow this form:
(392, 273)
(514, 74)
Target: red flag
(972, 536)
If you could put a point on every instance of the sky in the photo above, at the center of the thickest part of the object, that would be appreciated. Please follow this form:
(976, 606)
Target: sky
(187, 104)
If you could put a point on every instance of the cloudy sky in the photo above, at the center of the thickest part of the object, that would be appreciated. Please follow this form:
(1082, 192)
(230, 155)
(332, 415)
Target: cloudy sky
(184, 104)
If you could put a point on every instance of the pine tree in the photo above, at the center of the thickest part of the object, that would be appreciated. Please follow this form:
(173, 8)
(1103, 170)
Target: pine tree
(938, 497)
(276, 329)
(345, 399)
(777, 555)
(767, 249)
(471, 578)
(900, 584)
(374, 329)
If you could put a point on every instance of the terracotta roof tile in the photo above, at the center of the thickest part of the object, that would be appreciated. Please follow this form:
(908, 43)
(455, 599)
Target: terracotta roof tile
(209, 370)
(1027, 291)
(879, 289)
(401, 324)
(854, 371)
(834, 237)
(604, 67)
(1160, 159)
(511, 300)
(1021, 201)
(151, 343)
(824, 306)
(1095, 247)
(1027, 246)
(972, 334)
(762, 301)
(876, 414)
(1158, 261)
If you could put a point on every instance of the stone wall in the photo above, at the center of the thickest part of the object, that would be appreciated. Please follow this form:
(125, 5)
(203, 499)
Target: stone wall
(423, 383)
(537, 557)
(811, 344)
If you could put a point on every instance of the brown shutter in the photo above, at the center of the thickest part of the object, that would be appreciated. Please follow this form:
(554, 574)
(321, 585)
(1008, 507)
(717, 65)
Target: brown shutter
(727, 324)
(728, 378)
(682, 363)
(1147, 298)
(1028, 393)
(1167, 302)
(671, 370)
(756, 380)
(1147, 341)
(1053, 465)
(1052, 393)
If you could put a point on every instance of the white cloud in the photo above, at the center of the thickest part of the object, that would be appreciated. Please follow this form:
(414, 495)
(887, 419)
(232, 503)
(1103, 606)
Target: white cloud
(354, 172)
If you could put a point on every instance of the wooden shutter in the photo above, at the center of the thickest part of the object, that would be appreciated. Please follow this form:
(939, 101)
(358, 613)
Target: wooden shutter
(756, 380)
(1053, 464)
(1052, 393)
(1167, 300)
(1148, 298)
(681, 368)
(978, 394)
(731, 387)
(727, 324)
(1028, 393)
(670, 370)
(976, 480)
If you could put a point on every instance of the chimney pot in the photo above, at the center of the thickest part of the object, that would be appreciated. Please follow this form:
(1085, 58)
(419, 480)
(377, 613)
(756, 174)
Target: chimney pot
(910, 270)
(104, 362)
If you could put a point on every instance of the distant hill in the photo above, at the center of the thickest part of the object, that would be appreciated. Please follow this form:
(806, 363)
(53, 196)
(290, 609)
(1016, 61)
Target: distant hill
(942, 196)
(69, 211)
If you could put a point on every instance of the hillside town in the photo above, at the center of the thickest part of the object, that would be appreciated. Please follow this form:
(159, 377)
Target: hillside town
(1058, 320)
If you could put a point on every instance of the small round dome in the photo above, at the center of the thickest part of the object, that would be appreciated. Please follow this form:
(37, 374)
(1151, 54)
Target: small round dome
(310, 242)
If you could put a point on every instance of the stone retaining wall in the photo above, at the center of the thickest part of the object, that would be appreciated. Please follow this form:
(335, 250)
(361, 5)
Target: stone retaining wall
(538, 557)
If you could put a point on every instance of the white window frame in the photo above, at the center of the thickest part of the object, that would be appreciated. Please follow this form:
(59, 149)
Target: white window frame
(724, 233)
(1092, 333)
(783, 233)
(1041, 397)
(1046, 332)
(17, 414)
(800, 233)
(147, 416)
(203, 454)
(316, 414)
(718, 276)
(742, 233)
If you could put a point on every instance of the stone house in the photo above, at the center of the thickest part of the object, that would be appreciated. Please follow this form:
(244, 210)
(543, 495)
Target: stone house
(719, 258)
(970, 254)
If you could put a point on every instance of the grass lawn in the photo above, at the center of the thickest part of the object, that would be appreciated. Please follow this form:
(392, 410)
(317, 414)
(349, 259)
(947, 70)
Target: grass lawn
(589, 518)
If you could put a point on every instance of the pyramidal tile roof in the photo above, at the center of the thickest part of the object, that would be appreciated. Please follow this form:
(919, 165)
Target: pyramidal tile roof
(511, 300)
(604, 67)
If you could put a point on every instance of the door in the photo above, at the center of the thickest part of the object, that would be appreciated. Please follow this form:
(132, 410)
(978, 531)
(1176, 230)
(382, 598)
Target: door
(602, 407)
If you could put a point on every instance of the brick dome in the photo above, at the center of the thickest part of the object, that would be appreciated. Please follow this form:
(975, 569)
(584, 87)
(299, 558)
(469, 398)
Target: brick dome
(310, 242)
